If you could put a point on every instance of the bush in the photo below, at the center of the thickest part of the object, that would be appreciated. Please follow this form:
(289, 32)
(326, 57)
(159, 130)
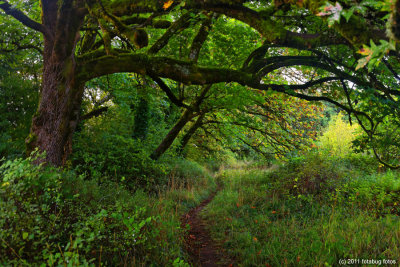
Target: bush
(318, 172)
(54, 217)
(312, 173)
(338, 137)
(117, 158)
(377, 193)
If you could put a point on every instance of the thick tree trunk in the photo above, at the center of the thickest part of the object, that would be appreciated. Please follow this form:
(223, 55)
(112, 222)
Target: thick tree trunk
(172, 134)
(61, 94)
(58, 112)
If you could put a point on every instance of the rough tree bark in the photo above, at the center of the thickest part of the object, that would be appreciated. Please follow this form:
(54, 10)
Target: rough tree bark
(61, 92)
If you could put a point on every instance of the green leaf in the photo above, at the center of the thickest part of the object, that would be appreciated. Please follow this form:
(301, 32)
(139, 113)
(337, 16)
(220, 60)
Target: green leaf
(373, 45)
(348, 13)
(25, 235)
(392, 45)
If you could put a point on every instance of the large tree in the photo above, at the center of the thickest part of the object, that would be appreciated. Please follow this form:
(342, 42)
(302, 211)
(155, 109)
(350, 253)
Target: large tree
(85, 39)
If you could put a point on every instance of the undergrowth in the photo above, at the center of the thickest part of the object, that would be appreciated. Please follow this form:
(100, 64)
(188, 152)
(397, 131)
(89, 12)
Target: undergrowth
(50, 217)
(311, 211)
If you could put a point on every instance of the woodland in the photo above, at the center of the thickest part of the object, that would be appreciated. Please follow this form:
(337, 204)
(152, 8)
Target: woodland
(199, 133)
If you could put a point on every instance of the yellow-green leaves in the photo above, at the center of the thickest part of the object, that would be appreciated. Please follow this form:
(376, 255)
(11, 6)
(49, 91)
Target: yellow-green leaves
(25, 235)
(337, 139)
(374, 53)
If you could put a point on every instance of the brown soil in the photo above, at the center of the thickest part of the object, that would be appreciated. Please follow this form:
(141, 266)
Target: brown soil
(204, 251)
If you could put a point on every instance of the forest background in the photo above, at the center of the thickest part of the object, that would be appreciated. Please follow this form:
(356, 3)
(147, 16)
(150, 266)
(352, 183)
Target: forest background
(118, 117)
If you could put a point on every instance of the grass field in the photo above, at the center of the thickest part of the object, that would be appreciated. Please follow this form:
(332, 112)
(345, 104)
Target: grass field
(289, 216)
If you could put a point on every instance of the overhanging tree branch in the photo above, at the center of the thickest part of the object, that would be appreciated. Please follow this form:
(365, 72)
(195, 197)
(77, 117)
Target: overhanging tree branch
(200, 38)
(188, 135)
(347, 109)
(390, 67)
(22, 47)
(158, 24)
(168, 92)
(280, 87)
(24, 19)
(94, 113)
(178, 70)
(190, 73)
(270, 29)
(256, 148)
(181, 23)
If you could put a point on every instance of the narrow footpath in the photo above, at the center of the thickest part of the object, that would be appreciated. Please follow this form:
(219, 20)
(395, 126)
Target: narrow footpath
(198, 242)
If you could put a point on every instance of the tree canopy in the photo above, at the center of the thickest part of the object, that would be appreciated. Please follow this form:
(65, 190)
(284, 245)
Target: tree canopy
(201, 52)
(122, 119)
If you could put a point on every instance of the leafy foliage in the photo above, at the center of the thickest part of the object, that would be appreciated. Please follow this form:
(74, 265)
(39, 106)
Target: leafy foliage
(127, 162)
(332, 211)
(338, 138)
(52, 217)
(231, 85)
(18, 102)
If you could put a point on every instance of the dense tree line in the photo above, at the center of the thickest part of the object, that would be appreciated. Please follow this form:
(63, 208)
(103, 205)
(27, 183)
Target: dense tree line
(312, 50)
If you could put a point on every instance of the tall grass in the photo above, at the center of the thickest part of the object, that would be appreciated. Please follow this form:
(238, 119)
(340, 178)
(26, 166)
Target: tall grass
(299, 215)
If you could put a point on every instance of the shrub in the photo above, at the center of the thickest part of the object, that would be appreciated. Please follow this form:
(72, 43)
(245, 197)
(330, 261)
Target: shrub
(377, 193)
(117, 158)
(338, 137)
(54, 217)
(318, 172)
(312, 173)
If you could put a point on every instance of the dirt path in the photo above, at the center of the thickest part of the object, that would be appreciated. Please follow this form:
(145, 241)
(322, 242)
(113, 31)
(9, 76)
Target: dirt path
(199, 244)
